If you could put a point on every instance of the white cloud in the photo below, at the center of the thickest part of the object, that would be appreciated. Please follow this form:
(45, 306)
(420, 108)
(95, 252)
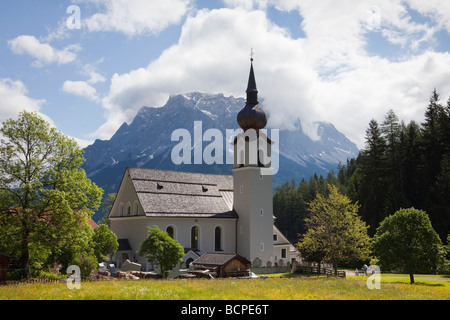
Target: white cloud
(353, 98)
(437, 10)
(337, 29)
(95, 77)
(82, 143)
(326, 76)
(58, 33)
(90, 70)
(247, 4)
(213, 49)
(134, 17)
(14, 99)
(44, 53)
(81, 88)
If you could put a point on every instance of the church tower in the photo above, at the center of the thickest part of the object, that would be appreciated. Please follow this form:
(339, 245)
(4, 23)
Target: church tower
(252, 179)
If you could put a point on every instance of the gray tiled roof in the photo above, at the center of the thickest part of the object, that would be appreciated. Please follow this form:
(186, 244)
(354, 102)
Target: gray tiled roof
(213, 259)
(183, 194)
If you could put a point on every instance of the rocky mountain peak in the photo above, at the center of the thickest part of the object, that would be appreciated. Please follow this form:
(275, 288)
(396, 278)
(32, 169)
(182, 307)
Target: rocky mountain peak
(146, 141)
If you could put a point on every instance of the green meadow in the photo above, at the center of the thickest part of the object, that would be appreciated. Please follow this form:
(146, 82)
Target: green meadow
(393, 287)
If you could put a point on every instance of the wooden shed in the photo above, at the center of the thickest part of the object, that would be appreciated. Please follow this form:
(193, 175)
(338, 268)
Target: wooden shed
(223, 265)
(4, 260)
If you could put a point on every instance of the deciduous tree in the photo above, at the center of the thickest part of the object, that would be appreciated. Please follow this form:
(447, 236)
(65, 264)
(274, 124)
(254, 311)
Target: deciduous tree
(45, 196)
(160, 248)
(406, 241)
(335, 232)
(104, 242)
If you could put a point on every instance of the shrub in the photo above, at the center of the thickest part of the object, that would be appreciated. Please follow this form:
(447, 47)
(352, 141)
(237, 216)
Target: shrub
(86, 264)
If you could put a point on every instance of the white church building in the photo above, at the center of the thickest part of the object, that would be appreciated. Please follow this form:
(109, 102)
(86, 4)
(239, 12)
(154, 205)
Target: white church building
(206, 213)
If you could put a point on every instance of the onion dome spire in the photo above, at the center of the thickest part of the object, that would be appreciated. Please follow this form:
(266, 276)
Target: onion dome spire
(251, 116)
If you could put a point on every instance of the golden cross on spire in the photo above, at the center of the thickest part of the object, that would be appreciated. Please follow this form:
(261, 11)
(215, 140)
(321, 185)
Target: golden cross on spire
(251, 54)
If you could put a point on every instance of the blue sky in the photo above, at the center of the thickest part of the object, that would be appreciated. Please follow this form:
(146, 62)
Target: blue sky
(344, 62)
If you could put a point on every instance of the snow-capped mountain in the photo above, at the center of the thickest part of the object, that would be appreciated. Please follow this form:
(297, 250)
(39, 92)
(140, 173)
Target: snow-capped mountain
(147, 142)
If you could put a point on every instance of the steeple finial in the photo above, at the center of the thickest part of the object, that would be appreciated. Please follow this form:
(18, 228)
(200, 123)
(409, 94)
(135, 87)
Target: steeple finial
(252, 91)
(252, 117)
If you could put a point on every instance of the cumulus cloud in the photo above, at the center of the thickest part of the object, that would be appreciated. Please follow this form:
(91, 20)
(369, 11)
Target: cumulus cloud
(94, 76)
(14, 99)
(355, 97)
(213, 50)
(81, 88)
(438, 11)
(325, 76)
(135, 17)
(247, 4)
(85, 88)
(44, 53)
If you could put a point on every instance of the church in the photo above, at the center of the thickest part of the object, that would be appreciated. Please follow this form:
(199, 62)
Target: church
(207, 213)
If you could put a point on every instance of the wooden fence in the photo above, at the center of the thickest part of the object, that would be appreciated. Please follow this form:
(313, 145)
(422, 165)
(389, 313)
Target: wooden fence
(32, 280)
(322, 271)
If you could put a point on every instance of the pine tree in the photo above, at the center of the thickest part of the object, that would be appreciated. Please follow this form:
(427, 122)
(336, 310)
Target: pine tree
(440, 210)
(372, 186)
(289, 210)
(446, 128)
(411, 158)
(433, 138)
(434, 145)
(391, 130)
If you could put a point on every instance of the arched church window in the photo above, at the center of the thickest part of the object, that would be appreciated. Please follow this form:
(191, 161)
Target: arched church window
(195, 238)
(171, 231)
(121, 210)
(128, 209)
(218, 238)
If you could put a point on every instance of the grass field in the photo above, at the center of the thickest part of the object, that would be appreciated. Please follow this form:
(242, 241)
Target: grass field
(272, 288)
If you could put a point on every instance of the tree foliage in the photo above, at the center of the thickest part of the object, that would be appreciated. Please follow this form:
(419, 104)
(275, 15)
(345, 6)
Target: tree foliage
(105, 207)
(334, 231)
(104, 242)
(373, 176)
(160, 248)
(406, 241)
(290, 200)
(290, 209)
(403, 166)
(45, 196)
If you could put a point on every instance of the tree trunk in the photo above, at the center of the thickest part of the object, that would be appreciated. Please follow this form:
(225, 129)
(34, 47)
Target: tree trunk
(25, 263)
(411, 278)
(25, 255)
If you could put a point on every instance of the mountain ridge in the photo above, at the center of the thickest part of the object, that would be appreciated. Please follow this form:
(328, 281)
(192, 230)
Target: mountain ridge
(146, 142)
